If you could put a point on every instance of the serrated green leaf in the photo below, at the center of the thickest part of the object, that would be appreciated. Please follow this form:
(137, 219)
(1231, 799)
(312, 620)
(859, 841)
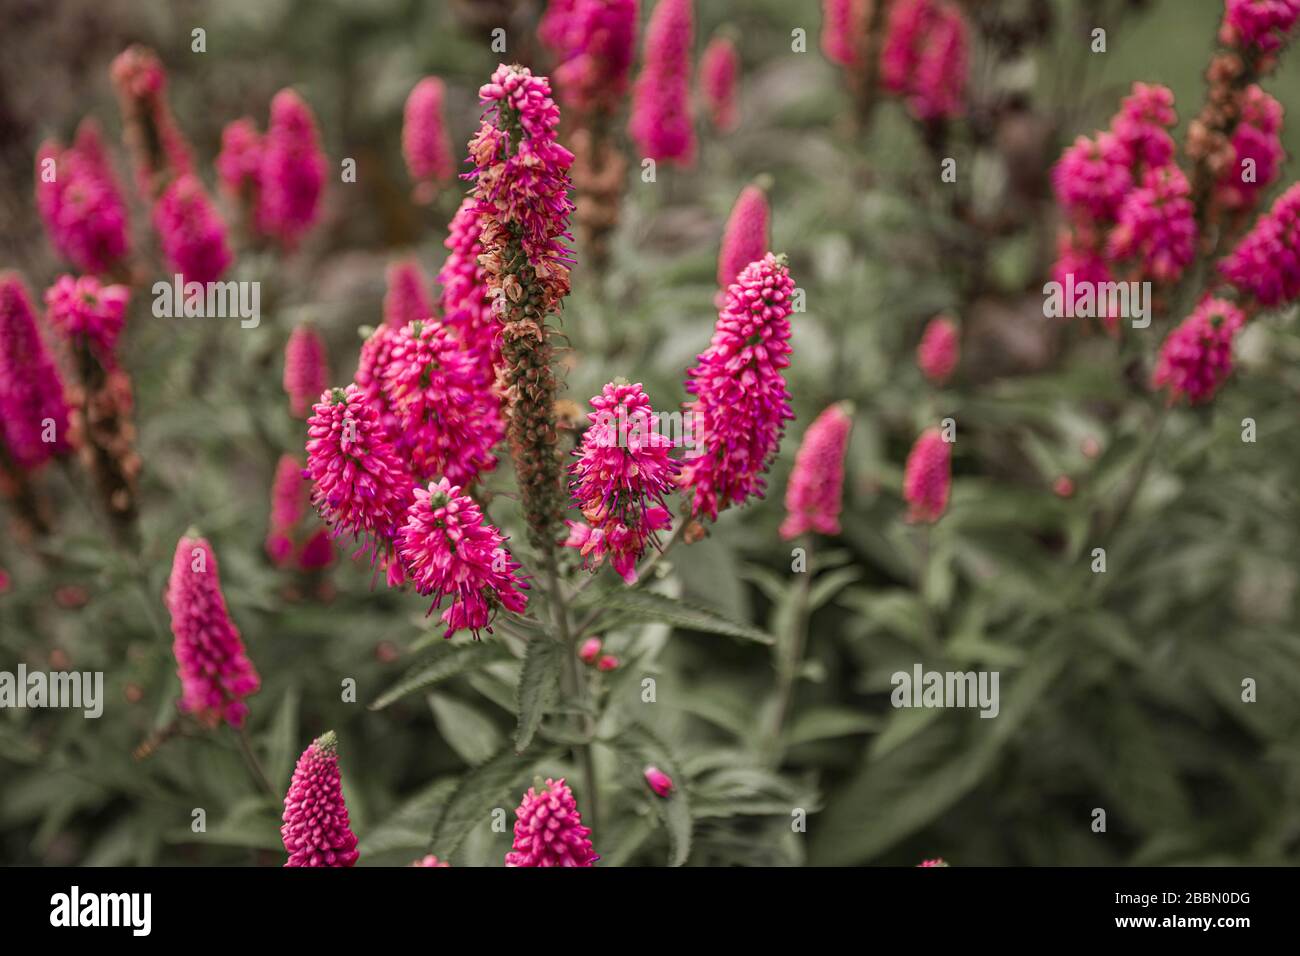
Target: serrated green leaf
(443, 663)
(467, 730)
(538, 683)
(679, 613)
(496, 783)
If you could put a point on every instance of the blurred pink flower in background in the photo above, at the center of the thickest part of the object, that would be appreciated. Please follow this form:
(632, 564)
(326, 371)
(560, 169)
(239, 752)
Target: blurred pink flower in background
(293, 171)
(80, 201)
(662, 125)
(83, 311)
(306, 373)
(814, 495)
(939, 350)
(407, 298)
(32, 403)
(1266, 262)
(927, 477)
(1196, 358)
(925, 58)
(192, 233)
(425, 145)
(719, 81)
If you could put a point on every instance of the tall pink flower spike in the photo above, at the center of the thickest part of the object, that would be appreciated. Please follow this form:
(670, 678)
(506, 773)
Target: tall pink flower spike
(927, 477)
(662, 125)
(814, 496)
(719, 81)
(425, 145)
(215, 671)
(316, 829)
(741, 400)
(549, 830)
(305, 371)
(449, 550)
(620, 478)
(34, 414)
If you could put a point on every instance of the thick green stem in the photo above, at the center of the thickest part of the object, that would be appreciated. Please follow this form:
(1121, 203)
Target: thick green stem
(790, 658)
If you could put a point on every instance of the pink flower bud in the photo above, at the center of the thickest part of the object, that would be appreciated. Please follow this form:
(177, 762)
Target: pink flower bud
(607, 662)
(590, 650)
(660, 782)
(937, 355)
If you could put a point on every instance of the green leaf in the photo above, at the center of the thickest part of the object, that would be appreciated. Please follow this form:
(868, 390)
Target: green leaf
(496, 783)
(408, 827)
(681, 614)
(538, 683)
(828, 722)
(443, 663)
(469, 732)
(281, 738)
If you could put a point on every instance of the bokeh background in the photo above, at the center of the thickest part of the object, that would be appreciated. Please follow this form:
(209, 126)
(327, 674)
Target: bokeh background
(1120, 691)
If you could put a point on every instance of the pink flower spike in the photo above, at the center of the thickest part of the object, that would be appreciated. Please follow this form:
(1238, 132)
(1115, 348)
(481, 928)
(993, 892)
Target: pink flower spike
(590, 650)
(466, 300)
(192, 234)
(293, 171)
(448, 417)
(1266, 262)
(80, 201)
(741, 400)
(430, 860)
(239, 164)
(449, 550)
(1196, 358)
(316, 830)
(1156, 225)
(1143, 122)
(928, 477)
(86, 313)
(424, 139)
(1092, 177)
(34, 414)
(288, 505)
(661, 123)
(407, 299)
(596, 41)
(925, 58)
(305, 371)
(745, 237)
(814, 495)
(549, 830)
(620, 478)
(939, 349)
(359, 485)
(844, 27)
(659, 782)
(216, 674)
(719, 77)
(1263, 25)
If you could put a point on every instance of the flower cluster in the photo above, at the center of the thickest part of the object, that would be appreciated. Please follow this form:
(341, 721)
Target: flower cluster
(1266, 262)
(239, 164)
(406, 299)
(87, 313)
(316, 830)
(1128, 204)
(549, 830)
(741, 401)
(927, 477)
(33, 411)
(596, 42)
(938, 352)
(80, 202)
(305, 371)
(359, 485)
(288, 509)
(925, 57)
(292, 172)
(745, 237)
(1256, 148)
(466, 299)
(192, 233)
(448, 419)
(216, 674)
(844, 24)
(814, 495)
(719, 75)
(449, 551)
(662, 125)
(1196, 358)
(1262, 25)
(620, 478)
(425, 146)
